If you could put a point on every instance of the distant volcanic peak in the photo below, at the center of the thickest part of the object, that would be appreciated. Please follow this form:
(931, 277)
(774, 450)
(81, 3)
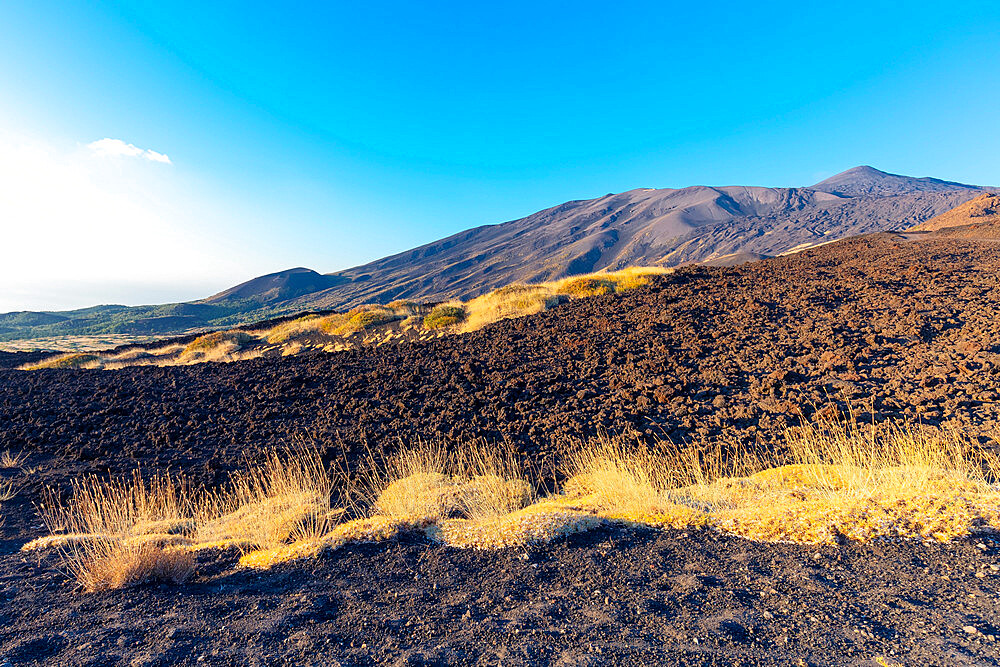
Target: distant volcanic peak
(983, 209)
(277, 286)
(868, 181)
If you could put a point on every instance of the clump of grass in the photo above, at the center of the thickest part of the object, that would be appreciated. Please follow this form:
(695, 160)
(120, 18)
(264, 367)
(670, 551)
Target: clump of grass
(444, 315)
(109, 564)
(622, 478)
(494, 480)
(63, 361)
(106, 526)
(405, 307)
(212, 341)
(507, 303)
(366, 319)
(413, 482)
(586, 286)
(284, 498)
(596, 284)
(281, 333)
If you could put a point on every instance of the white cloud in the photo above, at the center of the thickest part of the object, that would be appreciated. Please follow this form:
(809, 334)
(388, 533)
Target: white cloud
(118, 148)
(74, 225)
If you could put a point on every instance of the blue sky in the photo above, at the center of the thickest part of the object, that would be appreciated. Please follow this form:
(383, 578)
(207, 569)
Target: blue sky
(329, 134)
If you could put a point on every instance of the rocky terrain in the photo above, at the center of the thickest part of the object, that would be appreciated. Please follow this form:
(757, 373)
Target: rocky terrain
(890, 325)
(662, 227)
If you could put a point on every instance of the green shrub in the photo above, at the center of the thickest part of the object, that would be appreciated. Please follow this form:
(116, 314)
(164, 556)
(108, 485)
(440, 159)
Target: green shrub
(371, 318)
(444, 316)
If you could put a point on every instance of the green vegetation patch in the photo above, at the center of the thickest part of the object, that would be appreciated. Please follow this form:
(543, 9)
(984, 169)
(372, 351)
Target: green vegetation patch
(371, 318)
(444, 316)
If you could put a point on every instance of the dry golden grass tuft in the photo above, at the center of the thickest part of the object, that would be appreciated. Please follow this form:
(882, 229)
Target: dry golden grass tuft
(104, 529)
(494, 482)
(507, 303)
(405, 307)
(412, 482)
(72, 360)
(587, 286)
(596, 284)
(291, 329)
(216, 346)
(367, 317)
(285, 498)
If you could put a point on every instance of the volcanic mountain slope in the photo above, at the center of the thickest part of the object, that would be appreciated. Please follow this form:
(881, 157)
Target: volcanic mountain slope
(644, 227)
(984, 209)
(666, 227)
(894, 325)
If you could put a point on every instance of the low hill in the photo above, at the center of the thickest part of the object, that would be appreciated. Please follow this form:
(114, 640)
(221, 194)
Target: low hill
(275, 287)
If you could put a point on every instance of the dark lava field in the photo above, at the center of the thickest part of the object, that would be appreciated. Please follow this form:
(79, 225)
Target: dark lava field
(891, 326)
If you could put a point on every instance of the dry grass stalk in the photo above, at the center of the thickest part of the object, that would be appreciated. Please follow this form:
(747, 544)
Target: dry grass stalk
(7, 491)
(10, 460)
